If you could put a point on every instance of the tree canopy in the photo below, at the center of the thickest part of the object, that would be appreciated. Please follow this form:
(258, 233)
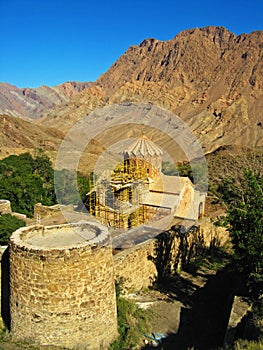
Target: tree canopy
(26, 180)
(8, 224)
(243, 196)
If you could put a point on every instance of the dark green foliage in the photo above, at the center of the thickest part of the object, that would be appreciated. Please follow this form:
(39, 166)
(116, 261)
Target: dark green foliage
(71, 189)
(243, 196)
(169, 168)
(197, 173)
(132, 324)
(66, 187)
(8, 224)
(25, 181)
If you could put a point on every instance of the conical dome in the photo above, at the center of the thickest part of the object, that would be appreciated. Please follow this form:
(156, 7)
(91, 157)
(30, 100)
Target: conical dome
(143, 148)
(143, 157)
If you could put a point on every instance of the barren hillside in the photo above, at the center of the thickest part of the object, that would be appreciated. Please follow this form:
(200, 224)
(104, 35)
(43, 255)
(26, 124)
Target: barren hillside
(32, 103)
(209, 77)
(18, 136)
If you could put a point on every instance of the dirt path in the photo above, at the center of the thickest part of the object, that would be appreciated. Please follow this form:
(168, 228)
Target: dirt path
(196, 313)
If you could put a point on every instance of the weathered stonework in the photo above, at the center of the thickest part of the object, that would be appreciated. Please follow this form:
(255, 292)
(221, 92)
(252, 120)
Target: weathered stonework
(42, 212)
(5, 206)
(61, 292)
(62, 279)
(137, 266)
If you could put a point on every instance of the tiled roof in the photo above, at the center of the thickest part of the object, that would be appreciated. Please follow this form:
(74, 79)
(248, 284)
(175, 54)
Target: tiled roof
(143, 147)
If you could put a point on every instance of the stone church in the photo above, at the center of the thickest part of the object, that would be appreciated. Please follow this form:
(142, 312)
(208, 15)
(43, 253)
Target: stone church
(137, 192)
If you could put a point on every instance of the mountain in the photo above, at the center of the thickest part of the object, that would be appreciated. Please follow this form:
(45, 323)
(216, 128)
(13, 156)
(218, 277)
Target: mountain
(32, 103)
(18, 136)
(210, 77)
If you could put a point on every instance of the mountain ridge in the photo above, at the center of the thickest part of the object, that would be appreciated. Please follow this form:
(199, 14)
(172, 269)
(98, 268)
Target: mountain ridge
(209, 77)
(31, 103)
(18, 136)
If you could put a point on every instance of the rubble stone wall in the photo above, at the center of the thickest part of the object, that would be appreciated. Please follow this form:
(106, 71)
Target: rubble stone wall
(5, 206)
(63, 297)
(66, 296)
(137, 268)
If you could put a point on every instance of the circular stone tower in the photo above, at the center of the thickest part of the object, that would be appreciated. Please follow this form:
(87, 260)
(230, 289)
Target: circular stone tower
(62, 286)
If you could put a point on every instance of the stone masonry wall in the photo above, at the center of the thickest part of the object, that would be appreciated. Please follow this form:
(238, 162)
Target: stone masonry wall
(5, 206)
(63, 297)
(66, 297)
(137, 267)
(42, 212)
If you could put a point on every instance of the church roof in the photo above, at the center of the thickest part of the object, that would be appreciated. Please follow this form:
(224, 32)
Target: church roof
(169, 184)
(164, 200)
(143, 147)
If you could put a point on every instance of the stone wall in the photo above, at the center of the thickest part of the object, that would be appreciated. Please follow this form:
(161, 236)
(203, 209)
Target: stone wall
(42, 212)
(136, 266)
(5, 207)
(62, 297)
(139, 266)
(66, 296)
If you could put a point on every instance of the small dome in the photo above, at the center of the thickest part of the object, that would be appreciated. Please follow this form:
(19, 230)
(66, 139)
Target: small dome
(143, 147)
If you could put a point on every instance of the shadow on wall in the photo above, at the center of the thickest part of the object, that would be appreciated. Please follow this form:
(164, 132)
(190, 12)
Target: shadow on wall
(5, 289)
(180, 248)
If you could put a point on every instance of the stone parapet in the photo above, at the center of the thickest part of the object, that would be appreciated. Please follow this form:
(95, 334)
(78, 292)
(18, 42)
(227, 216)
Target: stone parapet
(138, 266)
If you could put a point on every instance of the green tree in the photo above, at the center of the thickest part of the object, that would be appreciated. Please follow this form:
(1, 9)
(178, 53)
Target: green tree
(243, 196)
(8, 224)
(70, 191)
(25, 181)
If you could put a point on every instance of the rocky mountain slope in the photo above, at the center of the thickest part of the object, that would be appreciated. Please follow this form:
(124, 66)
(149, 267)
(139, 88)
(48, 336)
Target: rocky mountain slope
(32, 103)
(209, 77)
(18, 136)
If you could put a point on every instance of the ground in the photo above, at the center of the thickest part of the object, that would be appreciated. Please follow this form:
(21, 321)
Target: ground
(192, 311)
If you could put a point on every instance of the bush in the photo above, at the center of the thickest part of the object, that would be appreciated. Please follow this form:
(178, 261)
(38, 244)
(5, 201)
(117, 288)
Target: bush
(133, 322)
(8, 224)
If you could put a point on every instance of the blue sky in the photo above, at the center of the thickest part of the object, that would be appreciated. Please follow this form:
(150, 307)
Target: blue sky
(48, 42)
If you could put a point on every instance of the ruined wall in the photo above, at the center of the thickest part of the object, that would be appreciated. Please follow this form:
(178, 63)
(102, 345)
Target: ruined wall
(66, 296)
(5, 208)
(62, 297)
(41, 212)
